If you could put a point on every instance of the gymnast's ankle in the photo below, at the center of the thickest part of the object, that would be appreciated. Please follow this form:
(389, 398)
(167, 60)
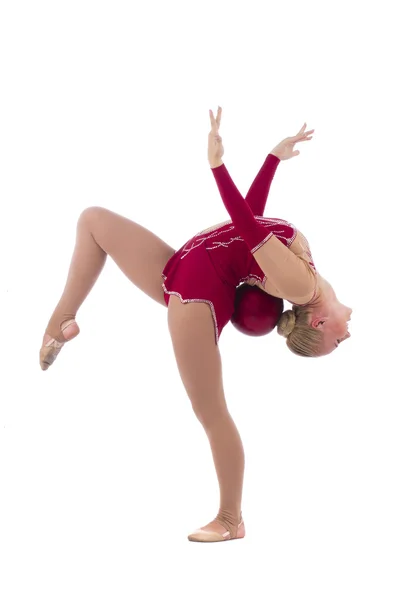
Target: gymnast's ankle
(229, 520)
(62, 328)
(51, 346)
(224, 527)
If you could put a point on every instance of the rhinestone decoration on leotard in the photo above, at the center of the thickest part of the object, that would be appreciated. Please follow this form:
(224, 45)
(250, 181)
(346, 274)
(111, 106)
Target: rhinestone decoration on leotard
(210, 304)
(214, 232)
(261, 243)
(224, 244)
(201, 241)
(249, 279)
(214, 228)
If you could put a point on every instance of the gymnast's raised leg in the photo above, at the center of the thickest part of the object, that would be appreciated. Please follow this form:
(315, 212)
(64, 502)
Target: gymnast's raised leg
(139, 253)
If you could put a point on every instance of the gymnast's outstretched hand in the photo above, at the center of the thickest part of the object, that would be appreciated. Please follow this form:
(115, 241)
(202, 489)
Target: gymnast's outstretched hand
(215, 147)
(285, 149)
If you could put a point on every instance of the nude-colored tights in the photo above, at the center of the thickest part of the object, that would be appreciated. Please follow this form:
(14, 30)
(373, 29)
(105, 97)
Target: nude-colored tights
(142, 256)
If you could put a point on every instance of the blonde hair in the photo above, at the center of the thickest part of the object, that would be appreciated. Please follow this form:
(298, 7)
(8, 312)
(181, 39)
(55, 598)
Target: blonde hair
(301, 338)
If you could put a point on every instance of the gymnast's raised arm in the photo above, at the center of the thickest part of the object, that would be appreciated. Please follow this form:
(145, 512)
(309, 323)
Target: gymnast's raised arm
(257, 195)
(291, 275)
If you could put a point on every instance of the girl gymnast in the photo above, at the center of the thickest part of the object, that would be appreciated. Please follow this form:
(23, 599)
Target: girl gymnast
(198, 283)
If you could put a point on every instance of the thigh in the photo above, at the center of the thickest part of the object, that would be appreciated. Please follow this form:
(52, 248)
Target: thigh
(139, 253)
(198, 357)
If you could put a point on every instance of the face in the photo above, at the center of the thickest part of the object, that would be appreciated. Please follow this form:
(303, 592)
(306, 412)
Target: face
(335, 328)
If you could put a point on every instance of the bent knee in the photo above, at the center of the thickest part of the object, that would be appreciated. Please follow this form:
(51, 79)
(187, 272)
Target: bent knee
(94, 218)
(90, 213)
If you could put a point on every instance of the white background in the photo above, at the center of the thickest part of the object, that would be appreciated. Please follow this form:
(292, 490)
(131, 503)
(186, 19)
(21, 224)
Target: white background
(104, 470)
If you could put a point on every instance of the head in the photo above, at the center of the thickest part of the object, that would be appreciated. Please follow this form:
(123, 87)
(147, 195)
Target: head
(315, 331)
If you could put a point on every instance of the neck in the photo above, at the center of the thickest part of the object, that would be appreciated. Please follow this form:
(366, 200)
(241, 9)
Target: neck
(325, 298)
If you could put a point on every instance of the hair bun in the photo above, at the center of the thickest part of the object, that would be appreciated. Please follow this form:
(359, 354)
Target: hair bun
(286, 323)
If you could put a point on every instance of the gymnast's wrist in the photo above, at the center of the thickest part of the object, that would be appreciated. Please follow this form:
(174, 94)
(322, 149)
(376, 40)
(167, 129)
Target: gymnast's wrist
(214, 164)
(275, 154)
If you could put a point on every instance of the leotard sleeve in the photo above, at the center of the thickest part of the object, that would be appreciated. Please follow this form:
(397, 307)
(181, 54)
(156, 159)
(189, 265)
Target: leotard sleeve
(258, 193)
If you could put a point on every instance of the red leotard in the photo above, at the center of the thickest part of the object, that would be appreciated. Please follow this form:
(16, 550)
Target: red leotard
(210, 266)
